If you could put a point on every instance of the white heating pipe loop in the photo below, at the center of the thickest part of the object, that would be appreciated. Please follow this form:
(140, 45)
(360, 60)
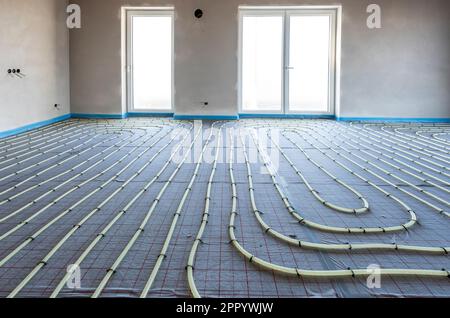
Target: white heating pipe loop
(296, 272)
(406, 149)
(72, 231)
(344, 247)
(148, 216)
(336, 229)
(313, 191)
(169, 236)
(190, 267)
(104, 232)
(56, 165)
(434, 207)
(59, 186)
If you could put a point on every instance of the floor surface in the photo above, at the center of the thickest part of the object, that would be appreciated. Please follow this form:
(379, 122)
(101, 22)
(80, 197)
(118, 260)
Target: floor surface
(115, 199)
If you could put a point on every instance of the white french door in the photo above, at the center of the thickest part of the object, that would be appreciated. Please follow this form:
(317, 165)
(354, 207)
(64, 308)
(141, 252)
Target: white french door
(287, 61)
(150, 60)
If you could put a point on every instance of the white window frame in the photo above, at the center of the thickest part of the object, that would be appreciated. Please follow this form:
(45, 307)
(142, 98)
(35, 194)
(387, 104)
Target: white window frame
(150, 12)
(335, 52)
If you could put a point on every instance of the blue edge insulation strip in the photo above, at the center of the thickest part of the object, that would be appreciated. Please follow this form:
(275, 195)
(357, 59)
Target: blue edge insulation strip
(201, 117)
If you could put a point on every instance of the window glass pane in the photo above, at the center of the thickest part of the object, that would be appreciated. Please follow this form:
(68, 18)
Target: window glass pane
(309, 63)
(262, 69)
(152, 62)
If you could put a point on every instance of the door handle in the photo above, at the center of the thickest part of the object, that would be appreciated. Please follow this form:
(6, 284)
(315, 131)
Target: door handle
(289, 67)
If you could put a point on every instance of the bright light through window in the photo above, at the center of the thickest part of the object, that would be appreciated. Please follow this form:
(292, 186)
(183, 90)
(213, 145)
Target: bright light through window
(152, 62)
(262, 63)
(309, 63)
(287, 60)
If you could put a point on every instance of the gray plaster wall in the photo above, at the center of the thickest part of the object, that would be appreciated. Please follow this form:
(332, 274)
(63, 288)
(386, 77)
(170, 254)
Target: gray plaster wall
(401, 70)
(34, 38)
